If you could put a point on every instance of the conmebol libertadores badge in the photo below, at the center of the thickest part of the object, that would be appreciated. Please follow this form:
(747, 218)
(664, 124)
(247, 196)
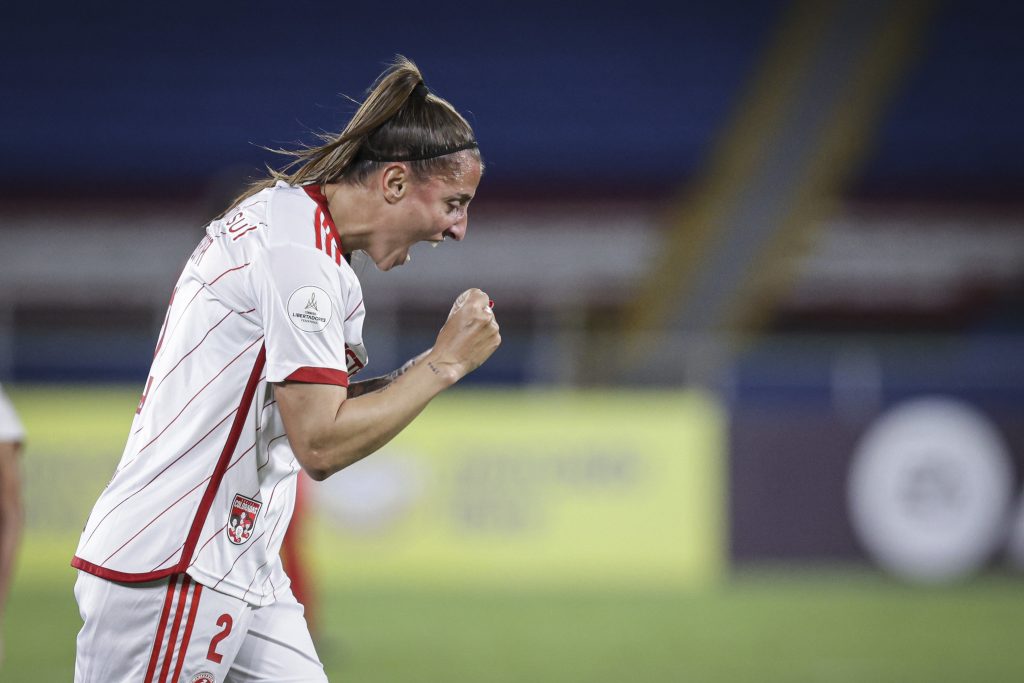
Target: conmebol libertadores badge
(310, 309)
(242, 519)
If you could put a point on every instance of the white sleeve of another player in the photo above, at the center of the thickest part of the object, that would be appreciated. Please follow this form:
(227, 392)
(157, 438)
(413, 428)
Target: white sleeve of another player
(10, 426)
(300, 297)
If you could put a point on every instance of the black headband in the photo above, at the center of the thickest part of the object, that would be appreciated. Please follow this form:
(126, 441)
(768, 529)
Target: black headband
(418, 155)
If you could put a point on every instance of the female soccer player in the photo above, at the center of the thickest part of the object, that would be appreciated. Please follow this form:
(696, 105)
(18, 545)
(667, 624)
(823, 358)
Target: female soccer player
(180, 577)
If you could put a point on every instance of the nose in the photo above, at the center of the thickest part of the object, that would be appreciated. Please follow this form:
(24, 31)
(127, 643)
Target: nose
(458, 231)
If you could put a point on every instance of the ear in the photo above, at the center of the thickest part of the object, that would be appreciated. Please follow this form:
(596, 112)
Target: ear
(395, 182)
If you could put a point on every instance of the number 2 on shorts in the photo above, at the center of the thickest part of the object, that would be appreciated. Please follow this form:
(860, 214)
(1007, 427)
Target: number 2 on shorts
(212, 654)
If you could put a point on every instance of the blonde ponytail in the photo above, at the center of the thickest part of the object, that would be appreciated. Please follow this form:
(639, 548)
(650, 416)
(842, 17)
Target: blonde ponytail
(400, 120)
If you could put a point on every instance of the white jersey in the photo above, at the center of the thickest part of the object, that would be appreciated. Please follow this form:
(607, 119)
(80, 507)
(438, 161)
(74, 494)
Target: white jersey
(206, 484)
(10, 426)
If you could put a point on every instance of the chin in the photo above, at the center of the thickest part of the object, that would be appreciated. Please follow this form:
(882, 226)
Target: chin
(388, 265)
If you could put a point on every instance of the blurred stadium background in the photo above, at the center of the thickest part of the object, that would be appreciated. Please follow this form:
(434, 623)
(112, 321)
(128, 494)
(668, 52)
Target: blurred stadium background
(760, 273)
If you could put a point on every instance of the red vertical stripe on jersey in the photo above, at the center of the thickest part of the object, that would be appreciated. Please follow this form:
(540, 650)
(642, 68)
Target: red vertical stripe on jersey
(112, 575)
(207, 500)
(168, 425)
(146, 485)
(173, 636)
(161, 514)
(225, 456)
(158, 641)
(197, 591)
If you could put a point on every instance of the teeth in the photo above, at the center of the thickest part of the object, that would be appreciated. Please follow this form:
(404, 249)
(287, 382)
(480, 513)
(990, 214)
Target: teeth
(434, 245)
(408, 257)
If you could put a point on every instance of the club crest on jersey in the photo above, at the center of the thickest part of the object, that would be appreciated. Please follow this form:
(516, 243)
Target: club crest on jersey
(203, 677)
(310, 309)
(242, 519)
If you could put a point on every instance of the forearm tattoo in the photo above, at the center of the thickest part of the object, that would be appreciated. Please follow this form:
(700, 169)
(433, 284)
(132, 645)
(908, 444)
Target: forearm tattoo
(379, 383)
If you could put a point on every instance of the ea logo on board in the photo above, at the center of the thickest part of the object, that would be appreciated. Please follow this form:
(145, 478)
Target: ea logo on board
(929, 489)
(310, 309)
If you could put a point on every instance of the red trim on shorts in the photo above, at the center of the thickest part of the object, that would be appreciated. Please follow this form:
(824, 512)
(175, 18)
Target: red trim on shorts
(197, 591)
(159, 639)
(319, 376)
(179, 612)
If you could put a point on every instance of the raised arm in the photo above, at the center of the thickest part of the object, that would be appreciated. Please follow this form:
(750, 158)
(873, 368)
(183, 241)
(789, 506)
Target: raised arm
(329, 430)
(377, 383)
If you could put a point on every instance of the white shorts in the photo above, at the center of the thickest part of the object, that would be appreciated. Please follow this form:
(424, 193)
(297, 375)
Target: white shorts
(175, 630)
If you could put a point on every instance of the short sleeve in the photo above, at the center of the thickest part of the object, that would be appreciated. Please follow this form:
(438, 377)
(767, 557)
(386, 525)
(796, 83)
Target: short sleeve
(300, 297)
(10, 427)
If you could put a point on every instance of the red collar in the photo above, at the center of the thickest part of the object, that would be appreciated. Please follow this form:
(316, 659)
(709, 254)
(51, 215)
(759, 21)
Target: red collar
(316, 193)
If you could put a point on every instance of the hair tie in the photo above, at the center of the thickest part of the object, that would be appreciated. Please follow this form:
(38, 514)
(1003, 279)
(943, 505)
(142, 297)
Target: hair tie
(421, 90)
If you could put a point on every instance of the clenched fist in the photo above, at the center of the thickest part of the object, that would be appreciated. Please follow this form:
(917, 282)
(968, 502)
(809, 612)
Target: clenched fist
(468, 337)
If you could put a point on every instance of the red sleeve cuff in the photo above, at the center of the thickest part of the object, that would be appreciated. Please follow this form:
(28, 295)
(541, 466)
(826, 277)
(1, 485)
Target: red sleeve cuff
(319, 376)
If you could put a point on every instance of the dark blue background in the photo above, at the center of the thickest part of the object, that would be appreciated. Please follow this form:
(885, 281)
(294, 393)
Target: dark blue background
(620, 94)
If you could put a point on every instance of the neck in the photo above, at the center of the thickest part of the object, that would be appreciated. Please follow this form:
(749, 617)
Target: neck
(355, 213)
